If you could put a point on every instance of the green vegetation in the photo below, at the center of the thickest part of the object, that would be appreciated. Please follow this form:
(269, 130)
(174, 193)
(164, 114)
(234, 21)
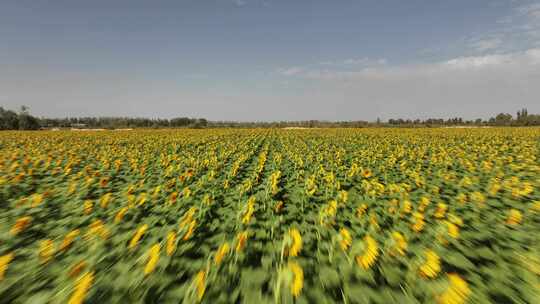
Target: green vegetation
(10, 120)
(382, 215)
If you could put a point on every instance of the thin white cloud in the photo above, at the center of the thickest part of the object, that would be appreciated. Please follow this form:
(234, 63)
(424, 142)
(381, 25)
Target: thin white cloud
(486, 44)
(328, 69)
(533, 56)
(528, 17)
(532, 10)
(291, 71)
(516, 61)
(408, 91)
(518, 30)
(477, 61)
(240, 3)
(467, 86)
(364, 61)
(354, 61)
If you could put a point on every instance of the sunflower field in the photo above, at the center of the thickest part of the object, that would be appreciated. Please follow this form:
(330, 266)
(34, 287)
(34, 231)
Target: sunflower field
(270, 216)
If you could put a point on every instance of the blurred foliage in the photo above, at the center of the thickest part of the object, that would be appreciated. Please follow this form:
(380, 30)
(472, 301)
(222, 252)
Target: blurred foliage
(270, 216)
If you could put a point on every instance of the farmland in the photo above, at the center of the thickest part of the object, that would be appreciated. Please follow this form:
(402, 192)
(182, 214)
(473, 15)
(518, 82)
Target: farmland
(270, 216)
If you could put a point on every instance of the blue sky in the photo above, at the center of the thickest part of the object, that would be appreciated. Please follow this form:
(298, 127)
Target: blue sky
(269, 59)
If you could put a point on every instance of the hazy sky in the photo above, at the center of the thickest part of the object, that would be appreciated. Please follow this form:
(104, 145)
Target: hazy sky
(270, 59)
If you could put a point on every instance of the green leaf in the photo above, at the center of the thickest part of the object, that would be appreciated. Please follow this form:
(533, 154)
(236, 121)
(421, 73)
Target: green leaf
(458, 260)
(329, 277)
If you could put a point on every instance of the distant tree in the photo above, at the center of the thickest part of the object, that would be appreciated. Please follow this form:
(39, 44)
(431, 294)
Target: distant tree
(9, 120)
(503, 119)
(24, 110)
(522, 115)
(181, 122)
(28, 122)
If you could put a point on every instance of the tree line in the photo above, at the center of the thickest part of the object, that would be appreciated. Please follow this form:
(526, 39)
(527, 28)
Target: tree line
(502, 119)
(523, 118)
(23, 120)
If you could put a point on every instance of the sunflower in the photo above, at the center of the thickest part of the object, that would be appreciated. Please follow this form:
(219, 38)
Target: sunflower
(68, 240)
(250, 209)
(88, 206)
(173, 197)
(103, 182)
(130, 189)
(461, 198)
(328, 213)
(4, 262)
(190, 230)
(46, 250)
(278, 207)
(295, 242)
(535, 207)
(441, 210)
(246, 218)
(20, 225)
(331, 208)
(453, 230)
(241, 239)
(188, 217)
(311, 186)
(478, 198)
(120, 215)
(407, 207)
(353, 170)
(97, 229)
(76, 269)
(37, 199)
(137, 236)
(156, 191)
(514, 217)
(131, 200)
(455, 219)
(370, 254)
(366, 173)
(153, 258)
(527, 188)
(72, 188)
(171, 242)
(419, 223)
(457, 292)
(343, 196)
(297, 278)
(142, 199)
(345, 239)
(424, 202)
(222, 251)
(524, 190)
(81, 288)
(431, 266)
(186, 192)
(200, 284)
(361, 210)
(400, 244)
(373, 221)
(494, 188)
